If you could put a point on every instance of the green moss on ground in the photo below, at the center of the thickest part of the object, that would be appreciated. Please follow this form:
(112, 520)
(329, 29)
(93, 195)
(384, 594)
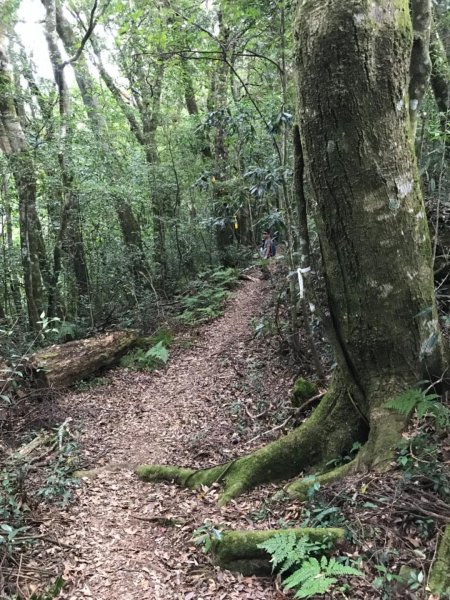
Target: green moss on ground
(303, 390)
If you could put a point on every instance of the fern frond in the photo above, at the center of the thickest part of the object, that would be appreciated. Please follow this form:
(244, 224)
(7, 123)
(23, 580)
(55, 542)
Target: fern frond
(290, 562)
(336, 568)
(280, 546)
(309, 569)
(314, 587)
(406, 402)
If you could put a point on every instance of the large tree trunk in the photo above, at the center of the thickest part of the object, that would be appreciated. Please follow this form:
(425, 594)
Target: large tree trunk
(353, 66)
(62, 365)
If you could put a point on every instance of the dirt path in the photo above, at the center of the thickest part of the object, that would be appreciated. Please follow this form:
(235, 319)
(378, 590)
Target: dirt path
(197, 411)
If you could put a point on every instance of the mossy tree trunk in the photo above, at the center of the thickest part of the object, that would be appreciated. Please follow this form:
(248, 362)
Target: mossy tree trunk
(353, 67)
(353, 62)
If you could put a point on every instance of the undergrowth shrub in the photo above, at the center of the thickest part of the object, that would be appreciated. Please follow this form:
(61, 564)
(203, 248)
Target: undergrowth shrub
(40, 470)
(154, 355)
(146, 360)
(420, 456)
(207, 296)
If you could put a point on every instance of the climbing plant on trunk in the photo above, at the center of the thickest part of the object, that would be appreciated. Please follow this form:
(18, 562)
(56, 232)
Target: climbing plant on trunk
(353, 68)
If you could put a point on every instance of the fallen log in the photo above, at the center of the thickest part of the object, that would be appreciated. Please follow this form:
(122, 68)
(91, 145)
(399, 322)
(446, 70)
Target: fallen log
(62, 365)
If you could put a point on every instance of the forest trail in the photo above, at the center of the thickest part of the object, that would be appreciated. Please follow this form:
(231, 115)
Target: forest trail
(192, 413)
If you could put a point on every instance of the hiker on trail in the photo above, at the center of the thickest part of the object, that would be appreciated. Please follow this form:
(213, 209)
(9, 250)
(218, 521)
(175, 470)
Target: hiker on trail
(267, 248)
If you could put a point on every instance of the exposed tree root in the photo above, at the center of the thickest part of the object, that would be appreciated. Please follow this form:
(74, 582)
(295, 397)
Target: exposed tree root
(331, 430)
(439, 582)
(300, 488)
(238, 550)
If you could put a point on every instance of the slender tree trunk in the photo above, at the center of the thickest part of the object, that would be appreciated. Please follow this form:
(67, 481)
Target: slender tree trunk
(420, 63)
(11, 277)
(224, 227)
(148, 99)
(440, 76)
(14, 145)
(70, 233)
(192, 108)
(129, 225)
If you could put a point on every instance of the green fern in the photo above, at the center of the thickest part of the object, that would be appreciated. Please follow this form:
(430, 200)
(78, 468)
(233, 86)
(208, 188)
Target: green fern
(315, 578)
(424, 405)
(287, 550)
(311, 577)
(405, 403)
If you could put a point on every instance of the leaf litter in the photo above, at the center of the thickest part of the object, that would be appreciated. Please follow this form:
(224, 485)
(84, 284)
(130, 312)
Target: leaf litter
(124, 539)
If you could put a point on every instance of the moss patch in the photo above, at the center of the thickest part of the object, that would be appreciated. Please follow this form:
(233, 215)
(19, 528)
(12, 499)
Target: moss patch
(303, 390)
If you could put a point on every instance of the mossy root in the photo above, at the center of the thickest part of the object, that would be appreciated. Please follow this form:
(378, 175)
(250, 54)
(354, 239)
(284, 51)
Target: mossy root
(439, 582)
(329, 432)
(238, 550)
(299, 489)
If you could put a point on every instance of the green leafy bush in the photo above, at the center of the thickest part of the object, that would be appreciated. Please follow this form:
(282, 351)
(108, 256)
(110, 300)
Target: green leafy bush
(205, 534)
(203, 306)
(207, 296)
(420, 459)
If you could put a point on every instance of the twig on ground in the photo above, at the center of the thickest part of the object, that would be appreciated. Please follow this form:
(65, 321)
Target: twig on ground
(309, 402)
(280, 426)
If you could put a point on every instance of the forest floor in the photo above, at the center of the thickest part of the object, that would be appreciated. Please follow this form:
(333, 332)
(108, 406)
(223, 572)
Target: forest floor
(123, 539)
(224, 392)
